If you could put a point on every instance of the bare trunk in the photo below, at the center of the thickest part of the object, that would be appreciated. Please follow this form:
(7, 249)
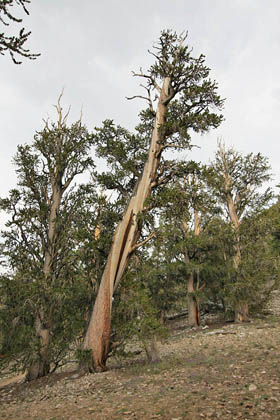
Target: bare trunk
(97, 338)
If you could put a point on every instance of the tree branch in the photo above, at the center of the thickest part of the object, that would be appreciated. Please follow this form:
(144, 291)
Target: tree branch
(129, 98)
(171, 145)
(136, 246)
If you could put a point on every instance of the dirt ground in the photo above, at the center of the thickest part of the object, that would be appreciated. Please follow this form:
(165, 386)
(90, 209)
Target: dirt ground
(223, 372)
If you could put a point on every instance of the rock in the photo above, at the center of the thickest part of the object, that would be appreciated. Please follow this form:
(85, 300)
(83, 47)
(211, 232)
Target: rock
(252, 387)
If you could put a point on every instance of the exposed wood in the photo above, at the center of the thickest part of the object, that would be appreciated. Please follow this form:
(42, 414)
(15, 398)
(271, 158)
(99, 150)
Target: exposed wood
(97, 338)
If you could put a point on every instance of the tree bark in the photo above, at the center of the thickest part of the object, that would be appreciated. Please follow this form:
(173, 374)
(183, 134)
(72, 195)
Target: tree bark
(40, 366)
(193, 304)
(97, 338)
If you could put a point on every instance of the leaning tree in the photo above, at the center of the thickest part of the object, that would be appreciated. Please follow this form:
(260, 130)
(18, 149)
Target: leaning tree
(181, 98)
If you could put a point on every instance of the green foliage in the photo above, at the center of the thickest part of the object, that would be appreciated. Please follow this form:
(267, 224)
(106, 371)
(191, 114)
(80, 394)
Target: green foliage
(83, 356)
(273, 215)
(182, 194)
(22, 300)
(48, 277)
(235, 182)
(135, 315)
(125, 154)
(241, 177)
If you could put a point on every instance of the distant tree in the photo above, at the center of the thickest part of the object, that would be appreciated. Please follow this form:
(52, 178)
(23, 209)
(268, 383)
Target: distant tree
(41, 243)
(11, 43)
(258, 272)
(199, 208)
(236, 183)
(185, 97)
(184, 232)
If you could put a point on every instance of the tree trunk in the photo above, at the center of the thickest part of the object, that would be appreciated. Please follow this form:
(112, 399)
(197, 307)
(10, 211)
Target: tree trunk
(151, 350)
(241, 308)
(193, 300)
(97, 337)
(40, 366)
(193, 304)
(241, 312)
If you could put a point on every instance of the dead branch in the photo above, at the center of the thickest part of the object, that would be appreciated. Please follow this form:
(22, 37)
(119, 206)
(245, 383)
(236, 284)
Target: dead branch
(152, 81)
(61, 118)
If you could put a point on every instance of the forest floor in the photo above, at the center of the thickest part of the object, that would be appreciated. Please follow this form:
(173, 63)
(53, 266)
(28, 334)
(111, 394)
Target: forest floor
(220, 371)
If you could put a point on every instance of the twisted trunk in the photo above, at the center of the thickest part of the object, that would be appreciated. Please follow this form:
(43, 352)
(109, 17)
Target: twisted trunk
(97, 338)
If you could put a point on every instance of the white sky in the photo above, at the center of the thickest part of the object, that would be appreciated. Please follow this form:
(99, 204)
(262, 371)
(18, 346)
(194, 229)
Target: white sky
(90, 47)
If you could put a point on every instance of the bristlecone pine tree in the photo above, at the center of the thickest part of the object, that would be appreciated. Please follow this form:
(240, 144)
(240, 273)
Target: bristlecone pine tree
(184, 98)
(236, 183)
(183, 228)
(38, 252)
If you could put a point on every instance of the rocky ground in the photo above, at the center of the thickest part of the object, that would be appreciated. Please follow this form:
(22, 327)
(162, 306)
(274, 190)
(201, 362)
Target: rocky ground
(223, 371)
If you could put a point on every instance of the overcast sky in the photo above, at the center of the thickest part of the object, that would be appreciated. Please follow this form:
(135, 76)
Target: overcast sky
(90, 47)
